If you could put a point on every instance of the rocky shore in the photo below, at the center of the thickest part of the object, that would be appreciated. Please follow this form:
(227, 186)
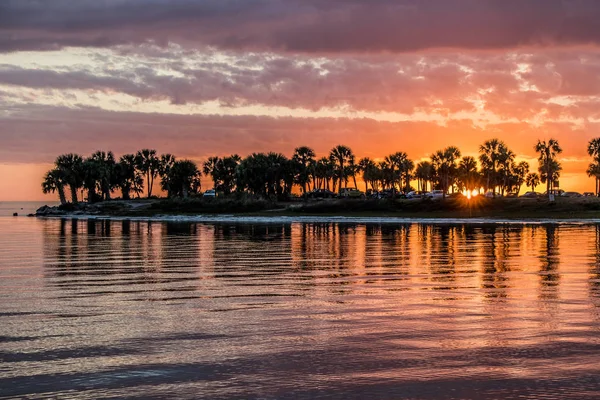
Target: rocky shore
(117, 207)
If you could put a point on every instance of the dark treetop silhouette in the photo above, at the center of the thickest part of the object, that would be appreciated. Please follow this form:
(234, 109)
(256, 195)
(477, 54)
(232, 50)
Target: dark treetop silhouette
(274, 175)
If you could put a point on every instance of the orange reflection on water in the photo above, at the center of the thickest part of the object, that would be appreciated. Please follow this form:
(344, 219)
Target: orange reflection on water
(356, 302)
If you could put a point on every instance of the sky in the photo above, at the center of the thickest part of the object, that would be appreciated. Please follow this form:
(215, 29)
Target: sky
(216, 77)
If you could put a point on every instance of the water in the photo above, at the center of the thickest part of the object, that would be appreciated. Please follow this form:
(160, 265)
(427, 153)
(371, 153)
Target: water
(23, 208)
(113, 309)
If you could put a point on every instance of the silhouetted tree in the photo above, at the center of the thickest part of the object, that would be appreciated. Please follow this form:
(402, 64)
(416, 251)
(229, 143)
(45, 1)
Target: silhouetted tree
(184, 178)
(369, 172)
(341, 156)
(128, 177)
(444, 163)
(594, 168)
(54, 181)
(532, 180)
(149, 165)
(468, 178)
(104, 173)
(304, 158)
(424, 174)
(211, 168)
(167, 161)
(494, 155)
(71, 167)
(549, 167)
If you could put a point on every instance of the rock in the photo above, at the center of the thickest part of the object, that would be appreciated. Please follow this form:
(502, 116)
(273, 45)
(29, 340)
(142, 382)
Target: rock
(45, 211)
(15, 214)
(42, 210)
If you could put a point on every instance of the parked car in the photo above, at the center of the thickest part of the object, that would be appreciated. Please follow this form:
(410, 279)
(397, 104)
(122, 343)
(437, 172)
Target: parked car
(530, 195)
(571, 194)
(352, 193)
(435, 194)
(589, 194)
(210, 193)
(320, 194)
(416, 194)
(391, 194)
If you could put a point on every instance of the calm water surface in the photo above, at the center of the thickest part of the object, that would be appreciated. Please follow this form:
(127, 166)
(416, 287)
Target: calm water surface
(101, 309)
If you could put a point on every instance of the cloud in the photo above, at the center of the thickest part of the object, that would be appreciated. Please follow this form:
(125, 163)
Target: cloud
(307, 26)
(517, 86)
(36, 134)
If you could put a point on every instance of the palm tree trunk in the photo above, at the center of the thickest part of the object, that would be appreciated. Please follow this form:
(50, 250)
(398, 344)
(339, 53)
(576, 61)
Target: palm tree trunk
(148, 182)
(61, 194)
(74, 194)
(342, 175)
(548, 180)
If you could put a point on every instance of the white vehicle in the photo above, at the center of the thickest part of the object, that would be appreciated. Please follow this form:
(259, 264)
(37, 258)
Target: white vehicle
(210, 193)
(416, 194)
(436, 194)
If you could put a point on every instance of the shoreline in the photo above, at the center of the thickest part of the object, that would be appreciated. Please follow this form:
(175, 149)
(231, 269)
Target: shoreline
(492, 211)
(383, 220)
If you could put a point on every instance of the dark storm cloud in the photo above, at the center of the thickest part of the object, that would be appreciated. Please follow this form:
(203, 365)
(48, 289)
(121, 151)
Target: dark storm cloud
(299, 25)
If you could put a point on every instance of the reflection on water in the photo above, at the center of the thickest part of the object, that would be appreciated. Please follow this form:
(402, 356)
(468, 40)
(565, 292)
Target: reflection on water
(94, 309)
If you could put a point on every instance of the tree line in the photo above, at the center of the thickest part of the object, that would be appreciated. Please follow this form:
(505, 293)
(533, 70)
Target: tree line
(273, 175)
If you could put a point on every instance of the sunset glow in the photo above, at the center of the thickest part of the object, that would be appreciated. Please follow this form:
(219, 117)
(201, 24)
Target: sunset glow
(200, 79)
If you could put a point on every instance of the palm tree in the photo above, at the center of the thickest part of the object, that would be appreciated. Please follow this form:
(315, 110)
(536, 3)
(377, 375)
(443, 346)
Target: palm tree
(184, 178)
(353, 169)
(518, 175)
(424, 174)
(493, 154)
(594, 152)
(167, 161)
(211, 167)
(594, 148)
(304, 157)
(532, 180)
(549, 166)
(104, 165)
(506, 166)
(368, 168)
(92, 175)
(444, 163)
(396, 162)
(71, 166)
(341, 155)
(251, 174)
(467, 173)
(54, 181)
(406, 168)
(324, 171)
(227, 172)
(594, 171)
(129, 178)
(149, 165)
